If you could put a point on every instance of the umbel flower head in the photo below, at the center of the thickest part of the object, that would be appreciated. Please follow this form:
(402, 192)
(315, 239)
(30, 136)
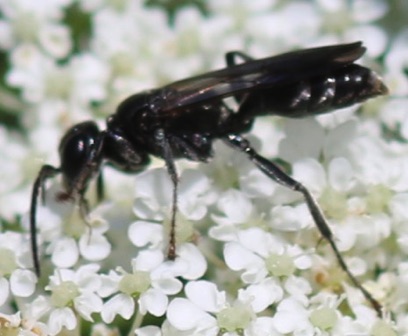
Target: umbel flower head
(249, 260)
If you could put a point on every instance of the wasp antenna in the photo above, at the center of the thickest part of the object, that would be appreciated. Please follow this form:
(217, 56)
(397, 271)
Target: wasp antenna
(45, 173)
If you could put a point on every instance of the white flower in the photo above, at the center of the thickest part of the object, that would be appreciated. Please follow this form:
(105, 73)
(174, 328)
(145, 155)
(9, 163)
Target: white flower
(9, 321)
(228, 204)
(14, 279)
(260, 255)
(397, 208)
(393, 112)
(11, 324)
(71, 237)
(166, 329)
(292, 317)
(206, 311)
(259, 22)
(396, 63)
(122, 38)
(189, 259)
(39, 77)
(236, 210)
(348, 168)
(65, 253)
(59, 71)
(73, 293)
(36, 23)
(355, 20)
(13, 172)
(307, 138)
(154, 194)
(154, 204)
(150, 281)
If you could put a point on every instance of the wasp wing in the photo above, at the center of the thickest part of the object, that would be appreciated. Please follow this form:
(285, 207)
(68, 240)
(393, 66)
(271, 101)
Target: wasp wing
(251, 75)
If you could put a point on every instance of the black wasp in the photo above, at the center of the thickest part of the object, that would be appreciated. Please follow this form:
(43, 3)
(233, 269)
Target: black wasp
(182, 120)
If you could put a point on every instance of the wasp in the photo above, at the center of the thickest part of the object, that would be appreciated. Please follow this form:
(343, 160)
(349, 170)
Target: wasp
(184, 118)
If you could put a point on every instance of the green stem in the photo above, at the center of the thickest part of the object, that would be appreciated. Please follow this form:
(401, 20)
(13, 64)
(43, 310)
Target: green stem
(137, 322)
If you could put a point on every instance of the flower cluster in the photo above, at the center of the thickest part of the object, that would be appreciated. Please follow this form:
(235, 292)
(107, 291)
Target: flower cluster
(248, 256)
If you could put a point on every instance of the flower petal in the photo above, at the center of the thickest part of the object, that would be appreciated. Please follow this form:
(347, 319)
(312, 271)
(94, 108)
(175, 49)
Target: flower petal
(235, 206)
(340, 174)
(142, 233)
(147, 260)
(205, 295)
(262, 295)
(22, 282)
(154, 302)
(239, 258)
(65, 253)
(165, 279)
(194, 261)
(60, 318)
(87, 304)
(120, 304)
(94, 247)
(184, 315)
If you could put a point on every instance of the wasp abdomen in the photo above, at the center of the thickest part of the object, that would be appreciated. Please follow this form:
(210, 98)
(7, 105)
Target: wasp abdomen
(339, 88)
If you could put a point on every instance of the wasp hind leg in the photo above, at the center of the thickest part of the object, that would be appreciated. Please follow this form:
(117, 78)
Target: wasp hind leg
(278, 175)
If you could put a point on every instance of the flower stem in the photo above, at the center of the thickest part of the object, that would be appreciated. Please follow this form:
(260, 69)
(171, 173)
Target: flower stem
(137, 322)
